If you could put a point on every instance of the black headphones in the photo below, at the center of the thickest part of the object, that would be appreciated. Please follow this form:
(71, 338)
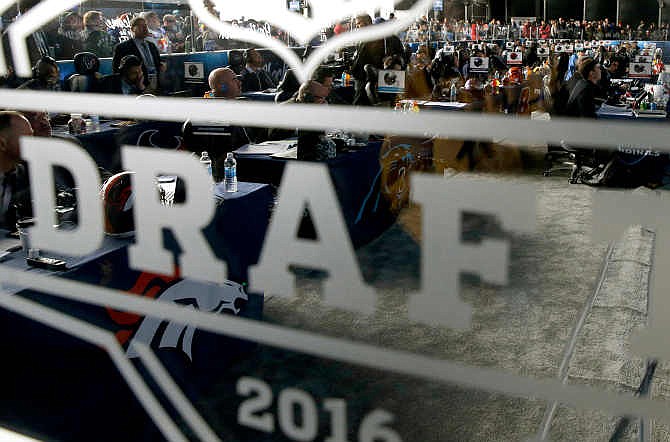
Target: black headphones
(39, 70)
(129, 61)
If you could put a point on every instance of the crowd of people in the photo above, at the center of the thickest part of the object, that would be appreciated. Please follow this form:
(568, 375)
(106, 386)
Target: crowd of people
(428, 29)
(560, 84)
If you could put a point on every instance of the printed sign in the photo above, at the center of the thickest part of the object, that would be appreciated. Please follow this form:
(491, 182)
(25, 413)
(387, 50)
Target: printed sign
(640, 70)
(515, 57)
(479, 65)
(194, 72)
(391, 81)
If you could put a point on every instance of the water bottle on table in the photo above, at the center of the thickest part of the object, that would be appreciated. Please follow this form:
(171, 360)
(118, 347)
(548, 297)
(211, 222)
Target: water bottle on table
(230, 173)
(206, 162)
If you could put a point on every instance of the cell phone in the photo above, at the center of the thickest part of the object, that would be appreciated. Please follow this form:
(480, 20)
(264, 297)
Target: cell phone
(47, 263)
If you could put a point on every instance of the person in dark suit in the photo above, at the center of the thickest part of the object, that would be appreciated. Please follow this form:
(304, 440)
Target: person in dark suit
(146, 51)
(14, 190)
(582, 101)
(129, 80)
(255, 77)
(373, 53)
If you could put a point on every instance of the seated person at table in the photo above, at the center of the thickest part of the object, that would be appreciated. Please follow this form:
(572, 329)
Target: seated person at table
(317, 90)
(582, 100)
(39, 122)
(224, 83)
(606, 76)
(313, 145)
(41, 125)
(46, 76)
(14, 190)
(129, 80)
(255, 77)
(444, 72)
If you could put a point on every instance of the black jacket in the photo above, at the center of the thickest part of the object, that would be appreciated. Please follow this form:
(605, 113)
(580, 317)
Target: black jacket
(129, 47)
(112, 84)
(256, 81)
(582, 103)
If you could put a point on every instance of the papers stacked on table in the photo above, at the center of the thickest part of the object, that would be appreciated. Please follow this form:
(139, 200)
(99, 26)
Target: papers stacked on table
(445, 105)
(619, 111)
(267, 147)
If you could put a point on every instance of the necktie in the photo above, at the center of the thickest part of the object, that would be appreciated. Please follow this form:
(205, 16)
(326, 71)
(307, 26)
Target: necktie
(5, 197)
(145, 53)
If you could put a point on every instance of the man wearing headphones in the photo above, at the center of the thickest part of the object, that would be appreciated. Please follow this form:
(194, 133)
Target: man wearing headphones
(46, 76)
(224, 83)
(255, 78)
(129, 80)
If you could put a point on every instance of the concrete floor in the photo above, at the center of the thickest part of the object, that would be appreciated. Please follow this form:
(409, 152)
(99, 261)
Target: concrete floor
(558, 274)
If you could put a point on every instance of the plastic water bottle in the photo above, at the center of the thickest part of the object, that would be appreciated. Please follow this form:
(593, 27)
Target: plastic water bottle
(206, 162)
(453, 93)
(95, 122)
(230, 173)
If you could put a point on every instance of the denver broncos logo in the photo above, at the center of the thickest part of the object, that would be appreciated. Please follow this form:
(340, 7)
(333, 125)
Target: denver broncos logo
(227, 298)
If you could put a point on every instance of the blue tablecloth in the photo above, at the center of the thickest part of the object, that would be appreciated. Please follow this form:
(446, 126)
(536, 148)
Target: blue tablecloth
(260, 96)
(355, 176)
(46, 370)
(104, 145)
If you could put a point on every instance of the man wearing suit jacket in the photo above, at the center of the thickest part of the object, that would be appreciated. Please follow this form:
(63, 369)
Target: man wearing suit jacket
(144, 50)
(14, 189)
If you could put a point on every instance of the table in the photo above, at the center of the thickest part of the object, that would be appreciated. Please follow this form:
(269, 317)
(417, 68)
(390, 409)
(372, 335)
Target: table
(260, 96)
(630, 116)
(340, 94)
(46, 370)
(355, 176)
(437, 105)
(104, 144)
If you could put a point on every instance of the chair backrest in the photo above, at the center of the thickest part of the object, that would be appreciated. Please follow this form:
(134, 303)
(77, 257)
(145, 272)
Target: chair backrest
(81, 83)
(288, 86)
(86, 63)
(236, 60)
(213, 138)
